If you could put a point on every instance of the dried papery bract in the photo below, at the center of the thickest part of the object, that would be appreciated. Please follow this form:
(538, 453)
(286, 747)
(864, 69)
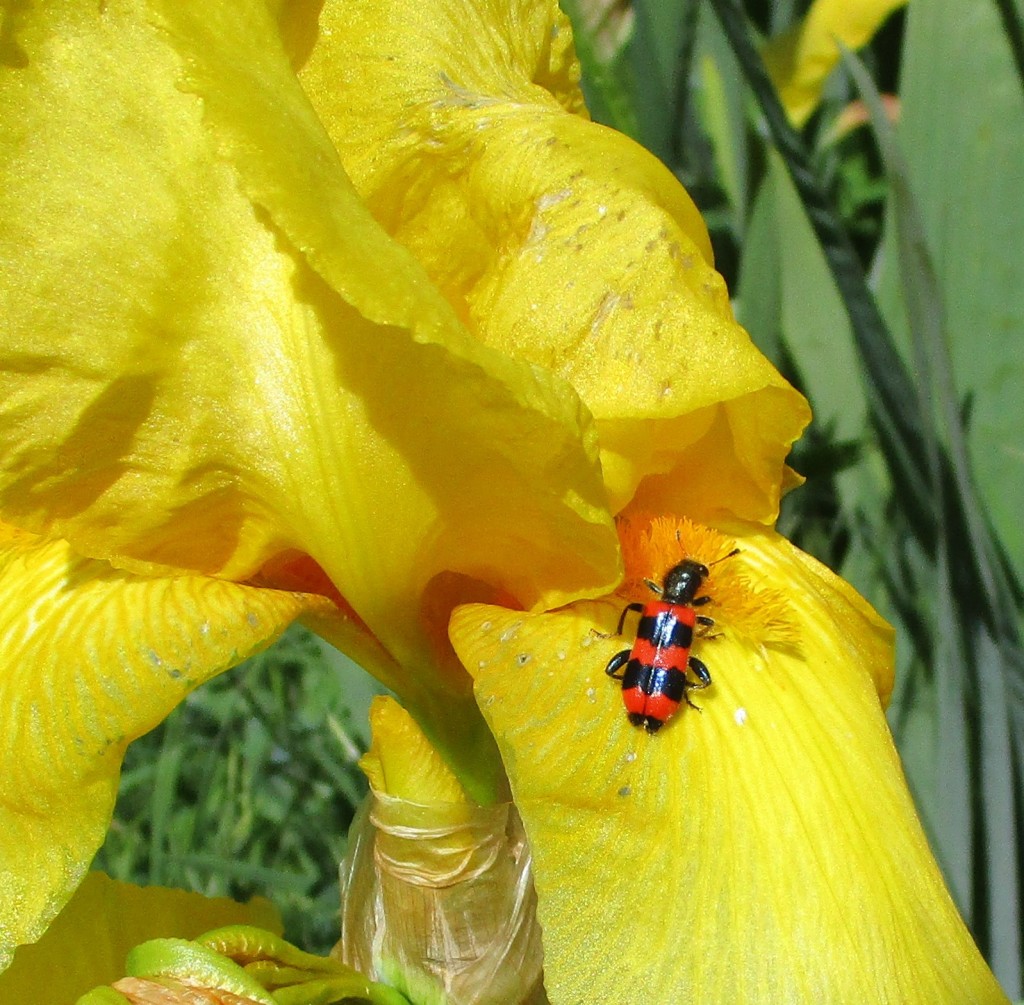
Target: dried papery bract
(438, 901)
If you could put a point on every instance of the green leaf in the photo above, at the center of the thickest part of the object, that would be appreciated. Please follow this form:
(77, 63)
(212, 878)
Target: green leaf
(787, 292)
(976, 653)
(653, 57)
(726, 115)
(962, 132)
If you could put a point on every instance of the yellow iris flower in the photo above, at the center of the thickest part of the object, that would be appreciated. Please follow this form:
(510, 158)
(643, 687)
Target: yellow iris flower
(800, 59)
(348, 313)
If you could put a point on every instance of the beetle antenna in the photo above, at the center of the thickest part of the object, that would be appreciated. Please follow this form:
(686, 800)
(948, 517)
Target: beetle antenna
(735, 551)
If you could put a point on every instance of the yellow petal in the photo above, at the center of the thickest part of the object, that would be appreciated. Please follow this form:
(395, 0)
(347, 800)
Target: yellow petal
(453, 430)
(88, 941)
(763, 849)
(800, 60)
(206, 400)
(402, 763)
(556, 240)
(130, 262)
(92, 658)
(238, 364)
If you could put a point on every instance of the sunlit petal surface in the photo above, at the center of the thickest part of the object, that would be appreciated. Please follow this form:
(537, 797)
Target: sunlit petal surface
(555, 240)
(801, 59)
(762, 849)
(402, 763)
(87, 943)
(213, 355)
(93, 658)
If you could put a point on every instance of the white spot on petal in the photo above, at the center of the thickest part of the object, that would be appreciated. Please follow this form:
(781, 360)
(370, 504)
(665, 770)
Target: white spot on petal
(550, 199)
(740, 715)
(511, 632)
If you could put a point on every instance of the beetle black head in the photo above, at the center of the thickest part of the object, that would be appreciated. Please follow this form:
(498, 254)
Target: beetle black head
(682, 582)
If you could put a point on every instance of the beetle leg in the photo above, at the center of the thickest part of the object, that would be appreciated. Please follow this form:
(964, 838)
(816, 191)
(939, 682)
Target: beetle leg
(625, 611)
(704, 680)
(686, 695)
(701, 671)
(616, 663)
(704, 626)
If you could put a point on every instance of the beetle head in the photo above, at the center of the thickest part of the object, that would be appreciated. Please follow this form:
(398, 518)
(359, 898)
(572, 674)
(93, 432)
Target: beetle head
(682, 581)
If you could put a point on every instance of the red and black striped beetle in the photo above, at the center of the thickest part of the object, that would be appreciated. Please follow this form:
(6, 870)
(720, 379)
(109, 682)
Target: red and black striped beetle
(654, 671)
